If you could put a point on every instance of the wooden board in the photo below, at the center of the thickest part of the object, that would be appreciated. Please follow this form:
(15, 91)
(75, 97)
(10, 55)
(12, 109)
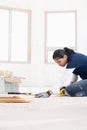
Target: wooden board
(13, 99)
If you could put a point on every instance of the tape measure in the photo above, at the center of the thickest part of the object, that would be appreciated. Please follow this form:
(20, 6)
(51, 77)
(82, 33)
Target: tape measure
(62, 91)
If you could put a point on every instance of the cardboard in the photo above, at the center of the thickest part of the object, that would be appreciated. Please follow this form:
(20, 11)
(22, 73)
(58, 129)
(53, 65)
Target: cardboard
(13, 79)
(1, 73)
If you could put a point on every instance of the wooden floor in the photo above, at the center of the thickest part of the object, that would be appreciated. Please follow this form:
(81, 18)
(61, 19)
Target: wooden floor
(54, 113)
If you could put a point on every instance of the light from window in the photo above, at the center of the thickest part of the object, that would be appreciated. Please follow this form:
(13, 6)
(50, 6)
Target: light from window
(4, 22)
(19, 36)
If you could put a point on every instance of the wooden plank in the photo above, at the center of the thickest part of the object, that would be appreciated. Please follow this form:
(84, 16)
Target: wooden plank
(13, 99)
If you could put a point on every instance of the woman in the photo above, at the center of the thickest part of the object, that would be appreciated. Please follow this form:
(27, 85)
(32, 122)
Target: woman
(67, 57)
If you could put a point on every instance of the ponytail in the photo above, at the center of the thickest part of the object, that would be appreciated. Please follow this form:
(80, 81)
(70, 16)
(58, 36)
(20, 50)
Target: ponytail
(68, 51)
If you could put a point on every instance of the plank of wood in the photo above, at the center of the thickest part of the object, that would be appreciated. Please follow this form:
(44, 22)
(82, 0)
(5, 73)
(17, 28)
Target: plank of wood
(13, 99)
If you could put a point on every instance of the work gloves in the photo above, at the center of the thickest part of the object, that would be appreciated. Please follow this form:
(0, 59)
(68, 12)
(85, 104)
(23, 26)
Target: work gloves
(43, 95)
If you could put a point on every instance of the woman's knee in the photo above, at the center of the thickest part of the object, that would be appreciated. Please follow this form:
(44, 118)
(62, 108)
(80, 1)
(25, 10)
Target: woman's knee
(69, 91)
(77, 89)
(72, 89)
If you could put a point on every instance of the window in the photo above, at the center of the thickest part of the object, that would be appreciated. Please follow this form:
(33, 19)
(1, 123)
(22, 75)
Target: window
(60, 32)
(14, 35)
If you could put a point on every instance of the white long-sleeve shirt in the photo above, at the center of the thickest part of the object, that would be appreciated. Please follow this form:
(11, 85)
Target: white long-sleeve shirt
(67, 79)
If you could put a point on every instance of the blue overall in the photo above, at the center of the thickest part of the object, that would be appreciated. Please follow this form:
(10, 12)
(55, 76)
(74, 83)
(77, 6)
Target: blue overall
(79, 62)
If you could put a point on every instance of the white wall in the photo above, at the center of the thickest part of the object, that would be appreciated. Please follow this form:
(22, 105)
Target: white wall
(37, 73)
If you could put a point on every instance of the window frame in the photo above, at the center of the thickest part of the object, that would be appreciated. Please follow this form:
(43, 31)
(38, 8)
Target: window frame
(28, 40)
(47, 49)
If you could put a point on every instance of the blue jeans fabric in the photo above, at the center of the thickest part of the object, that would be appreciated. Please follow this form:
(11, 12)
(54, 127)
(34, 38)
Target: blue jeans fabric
(77, 89)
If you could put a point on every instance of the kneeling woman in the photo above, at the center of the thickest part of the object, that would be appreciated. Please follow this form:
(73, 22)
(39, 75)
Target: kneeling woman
(67, 57)
(73, 60)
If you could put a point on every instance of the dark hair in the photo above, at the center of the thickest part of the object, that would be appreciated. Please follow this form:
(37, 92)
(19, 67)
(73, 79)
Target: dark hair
(61, 52)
